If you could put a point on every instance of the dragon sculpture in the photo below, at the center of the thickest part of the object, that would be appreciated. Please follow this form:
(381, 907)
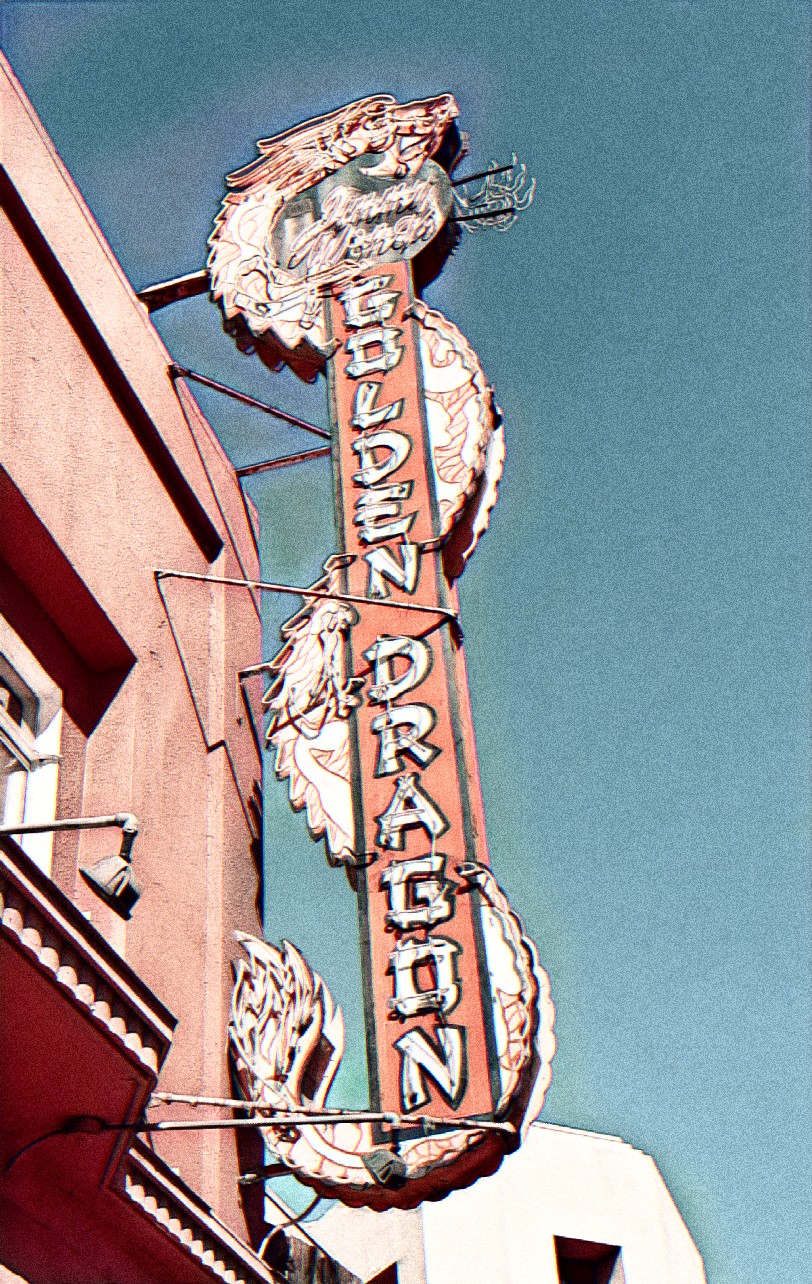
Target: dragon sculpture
(309, 701)
(254, 285)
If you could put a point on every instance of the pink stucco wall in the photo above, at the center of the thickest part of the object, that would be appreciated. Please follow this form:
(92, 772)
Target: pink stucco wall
(109, 474)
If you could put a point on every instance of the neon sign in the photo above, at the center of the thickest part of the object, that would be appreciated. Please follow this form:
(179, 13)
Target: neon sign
(369, 716)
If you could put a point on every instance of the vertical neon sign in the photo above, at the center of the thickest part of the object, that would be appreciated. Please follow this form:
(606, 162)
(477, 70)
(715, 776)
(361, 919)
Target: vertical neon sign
(368, 701)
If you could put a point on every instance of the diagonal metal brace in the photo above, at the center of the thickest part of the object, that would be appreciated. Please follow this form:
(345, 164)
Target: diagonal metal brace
(328, 594)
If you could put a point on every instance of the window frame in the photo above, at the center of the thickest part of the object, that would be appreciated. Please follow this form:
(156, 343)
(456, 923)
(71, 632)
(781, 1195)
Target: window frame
(34, 743)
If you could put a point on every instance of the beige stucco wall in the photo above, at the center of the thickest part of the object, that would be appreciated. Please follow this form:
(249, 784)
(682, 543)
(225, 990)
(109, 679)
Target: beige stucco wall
(561, 1183)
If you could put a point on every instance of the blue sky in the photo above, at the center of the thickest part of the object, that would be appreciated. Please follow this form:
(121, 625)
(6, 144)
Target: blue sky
(637, 620)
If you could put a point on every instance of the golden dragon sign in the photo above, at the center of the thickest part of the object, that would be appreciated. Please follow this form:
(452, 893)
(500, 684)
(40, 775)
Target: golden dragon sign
(317, 258)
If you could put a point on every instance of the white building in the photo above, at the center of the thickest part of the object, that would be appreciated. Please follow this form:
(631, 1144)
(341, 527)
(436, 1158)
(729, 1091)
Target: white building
(569, 1207)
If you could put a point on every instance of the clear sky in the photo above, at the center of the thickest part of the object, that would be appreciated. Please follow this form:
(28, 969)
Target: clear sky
(637, 620)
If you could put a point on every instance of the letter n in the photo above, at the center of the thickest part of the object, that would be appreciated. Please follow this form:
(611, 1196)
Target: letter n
(383, 566)
(443, 1062)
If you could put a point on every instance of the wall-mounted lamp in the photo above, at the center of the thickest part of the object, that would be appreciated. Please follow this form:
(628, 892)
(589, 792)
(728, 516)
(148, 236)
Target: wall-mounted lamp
(385, 1167)
(111, 878)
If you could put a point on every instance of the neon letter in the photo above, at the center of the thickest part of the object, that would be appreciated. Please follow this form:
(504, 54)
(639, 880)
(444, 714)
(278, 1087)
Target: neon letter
(364, 362)
(445, 1064)
(406, 958)
(376, 506)
(382, 567)
(404, 730)
(372, 473)
(382, 655)
(369, 303)
(409, 807)
(419, 894)
(364, 414)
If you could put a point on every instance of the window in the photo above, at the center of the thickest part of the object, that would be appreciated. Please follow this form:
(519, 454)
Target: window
(387, 1276)
(586, 1262)
(30, 730)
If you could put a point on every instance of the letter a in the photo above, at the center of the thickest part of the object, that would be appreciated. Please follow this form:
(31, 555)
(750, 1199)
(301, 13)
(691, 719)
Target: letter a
(409, 807)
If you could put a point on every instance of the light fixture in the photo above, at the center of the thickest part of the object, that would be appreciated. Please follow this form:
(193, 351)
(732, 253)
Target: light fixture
(385, 1167)
(111, 878)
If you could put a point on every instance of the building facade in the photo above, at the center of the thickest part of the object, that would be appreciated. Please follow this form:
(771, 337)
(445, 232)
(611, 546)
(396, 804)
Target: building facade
(120, 698)
(569, 1207)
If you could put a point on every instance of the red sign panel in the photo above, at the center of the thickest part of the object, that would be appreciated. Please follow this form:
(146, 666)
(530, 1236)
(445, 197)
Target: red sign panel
(417, 766)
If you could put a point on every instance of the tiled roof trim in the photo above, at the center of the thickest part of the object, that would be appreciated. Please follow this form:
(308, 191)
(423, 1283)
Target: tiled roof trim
(71, 955)
(191, 1224)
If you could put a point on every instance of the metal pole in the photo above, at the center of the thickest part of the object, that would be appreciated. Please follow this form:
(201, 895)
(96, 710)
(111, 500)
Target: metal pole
(483, 173)
(469, 218)
(231, 1103)
(276, 1121)
(284, 461)
(327, 594)
(303, 1120)
(178, 372)
(123, 820)
(282, 1119)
